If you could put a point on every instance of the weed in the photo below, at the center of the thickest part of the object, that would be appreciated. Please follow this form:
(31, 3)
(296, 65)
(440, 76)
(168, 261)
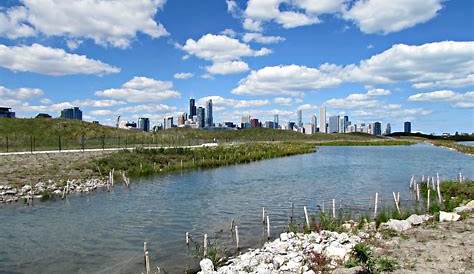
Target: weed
(318, 262)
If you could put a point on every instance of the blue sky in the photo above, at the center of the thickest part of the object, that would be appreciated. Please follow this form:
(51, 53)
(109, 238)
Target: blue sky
(373, 60)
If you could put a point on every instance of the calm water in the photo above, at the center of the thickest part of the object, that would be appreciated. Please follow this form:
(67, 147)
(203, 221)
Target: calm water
(104, 232)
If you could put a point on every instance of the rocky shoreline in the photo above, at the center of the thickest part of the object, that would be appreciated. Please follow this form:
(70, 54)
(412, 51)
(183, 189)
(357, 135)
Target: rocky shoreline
(47, 190)
(322, 251)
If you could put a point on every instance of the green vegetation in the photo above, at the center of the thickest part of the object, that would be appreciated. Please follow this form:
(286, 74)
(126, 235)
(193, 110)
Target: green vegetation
(59, 134)
(453, 193)
(454, 145)
(215, 253)
(362, 255)
(142, 162)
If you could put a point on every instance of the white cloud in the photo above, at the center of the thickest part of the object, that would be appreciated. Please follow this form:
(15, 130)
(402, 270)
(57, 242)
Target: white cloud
(229, 32)
(230, 67)
(438, 64)
(113, 23)
(183, 75)
(20, 93)
(290, 80)
(283, 100)
(97, 103)
(459, 100)
(220, 48)
(141, 89)
(101, 112)
(50, 61)
(382, 16)
(259, 38)
(359, 100)
(150, 109)
(219, 101)
(252, 25)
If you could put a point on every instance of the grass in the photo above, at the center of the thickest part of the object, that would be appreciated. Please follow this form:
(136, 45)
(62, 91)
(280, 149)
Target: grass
(453, 193)
(55, 134)
(454, 145)
(363, 255)
(143, 162)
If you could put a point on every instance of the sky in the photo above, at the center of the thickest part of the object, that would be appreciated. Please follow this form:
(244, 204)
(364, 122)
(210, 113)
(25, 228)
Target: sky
(373, 60)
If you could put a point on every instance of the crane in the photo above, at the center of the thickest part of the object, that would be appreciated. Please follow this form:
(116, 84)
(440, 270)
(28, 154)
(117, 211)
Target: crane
(118, 121)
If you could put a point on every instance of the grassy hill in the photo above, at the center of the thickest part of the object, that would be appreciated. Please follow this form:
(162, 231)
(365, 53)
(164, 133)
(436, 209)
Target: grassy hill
(45, 134)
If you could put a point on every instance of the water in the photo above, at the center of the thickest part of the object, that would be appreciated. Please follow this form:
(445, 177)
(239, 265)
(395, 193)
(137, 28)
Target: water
(104, 232)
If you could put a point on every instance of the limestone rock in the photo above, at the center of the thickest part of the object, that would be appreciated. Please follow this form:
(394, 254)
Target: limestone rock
(418, 219)
(206, 266)
(448, 216)
(398, 225)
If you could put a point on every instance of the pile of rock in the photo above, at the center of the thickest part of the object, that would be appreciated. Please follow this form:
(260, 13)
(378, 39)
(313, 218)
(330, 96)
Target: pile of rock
(291, 253)
(10, 194)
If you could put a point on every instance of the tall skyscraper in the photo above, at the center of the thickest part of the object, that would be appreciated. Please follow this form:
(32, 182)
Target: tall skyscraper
(276, 122)
(407, 127)
(341, 124)
(209, 118)
(377, 129)
(388, 129)
(192, 108)
(300, 118)
(346, 123)
(181, 119)
(322, 120)
(314, 122)
(144, 124)
(168, 122)
(333, 124)
(201, 117)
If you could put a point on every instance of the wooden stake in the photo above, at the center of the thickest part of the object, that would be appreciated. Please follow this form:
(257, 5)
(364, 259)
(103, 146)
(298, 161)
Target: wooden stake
(323, 208)
(237, 237)
(396, 202)
(292, 209)
(263, 215)
(187, 238)
(417, 192)
(205, 245)
(428, 200)
(147, 262)
(440, 199)
(375, 204)
(306, 216)
(334, 208)
(232, 224)
(268, 227)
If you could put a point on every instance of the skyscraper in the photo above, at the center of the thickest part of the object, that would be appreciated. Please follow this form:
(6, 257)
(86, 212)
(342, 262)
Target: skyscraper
(300, 118)
(322, 120)
(377, 129)
(192, 108)
(276, 121)
(341, 125)
(144, 124)
(333, 124)
(314, 122)
(407, 127)
(201, 117)
(346, 123)
(209, 118)
(168, 122)
(388, 129)
(181, 119)
(71, 113)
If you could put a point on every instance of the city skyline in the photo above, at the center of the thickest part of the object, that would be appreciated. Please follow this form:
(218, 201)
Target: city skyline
(394, 70)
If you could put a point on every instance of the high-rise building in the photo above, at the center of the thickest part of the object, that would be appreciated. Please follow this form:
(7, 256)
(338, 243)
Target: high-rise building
(333, 124)
(407, 127)
(341, 124)
(388, 129)
(377, 129)
(192, 108)
(245, 121)
(254, 123)
(201, 117)
(181, 119)
(276, 122)
(322, 120)
(346, 123)
(71, 113)
(209, 118)
(6, 113)
(269, 124)
(300, 118)
(144, 124)
(168, 122)
(314, 121)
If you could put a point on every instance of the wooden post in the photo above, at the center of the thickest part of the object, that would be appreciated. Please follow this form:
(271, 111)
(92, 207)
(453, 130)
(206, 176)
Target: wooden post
(263, 215)
(187, 238)
(147, 262)
(334, 208)
(268, 227)
(205, 245)
(145, 254)
(396, 202)
(428, 200)
(398, 198)
(237, 237)
(323, 207)
(292, 210)
(181, 163)
(375, 204)
(440, 199)
(232, 225)
(423, 179)
(433, 183)
(417, 192)
(306, 216)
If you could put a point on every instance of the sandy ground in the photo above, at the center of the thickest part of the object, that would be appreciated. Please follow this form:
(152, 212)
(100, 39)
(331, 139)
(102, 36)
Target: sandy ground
(26, 169)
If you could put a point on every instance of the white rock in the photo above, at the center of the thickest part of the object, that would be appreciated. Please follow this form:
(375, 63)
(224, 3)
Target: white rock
(398, 225)
(418, 219)
(206, 266)
(448, 216)
(469, 207)
(284, 237)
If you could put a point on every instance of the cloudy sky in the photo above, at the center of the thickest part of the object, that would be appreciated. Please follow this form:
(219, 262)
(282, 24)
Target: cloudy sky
(374, 60)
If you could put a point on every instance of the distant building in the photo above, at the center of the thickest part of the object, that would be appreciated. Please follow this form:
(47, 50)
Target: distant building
(131, 125)
(377, 129)
(276, 122)
(254, 123)
(322, 120)
(209, 117)
(168, 122)
(6, 113)
(96, 122)
(352, 128)
(229, 124)
(333, 124)
(269, 124)
(341, 125)
(388, 129)
(201, 115)
(300, 118)
(314, 122)
(192, 108)
(407, 127)
(43, 115)
(309, 129)
(291, 125)
(144, 124)
(181, 119)
(71, 113)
